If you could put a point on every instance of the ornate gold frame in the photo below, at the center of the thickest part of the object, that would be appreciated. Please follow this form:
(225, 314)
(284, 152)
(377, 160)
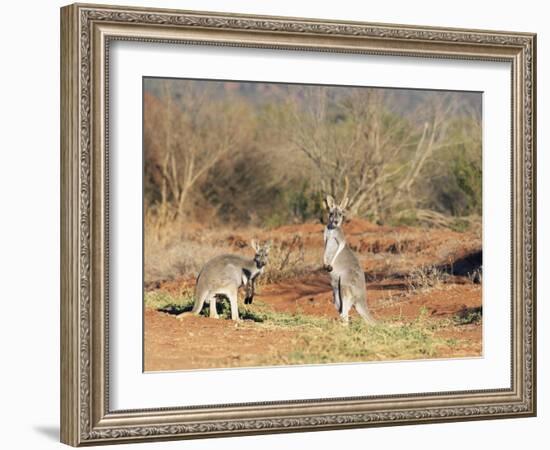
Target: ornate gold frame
(86, 31)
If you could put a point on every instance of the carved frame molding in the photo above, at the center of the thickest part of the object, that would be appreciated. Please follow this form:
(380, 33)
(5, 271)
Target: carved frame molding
(86, 33)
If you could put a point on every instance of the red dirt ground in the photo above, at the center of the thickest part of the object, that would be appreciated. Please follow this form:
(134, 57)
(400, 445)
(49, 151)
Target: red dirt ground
(201, 342)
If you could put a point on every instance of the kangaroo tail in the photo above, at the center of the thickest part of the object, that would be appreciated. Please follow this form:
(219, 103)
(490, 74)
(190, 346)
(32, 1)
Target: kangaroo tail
(364, 312)
(199, 303)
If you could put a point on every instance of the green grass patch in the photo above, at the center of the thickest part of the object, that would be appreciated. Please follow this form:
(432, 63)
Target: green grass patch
(318, 340)
(177, 304)
(323, 340)
(165, 302)
(468, 316)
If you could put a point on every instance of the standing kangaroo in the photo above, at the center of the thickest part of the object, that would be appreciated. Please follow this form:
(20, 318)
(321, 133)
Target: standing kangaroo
(347, 277)
(223, 275)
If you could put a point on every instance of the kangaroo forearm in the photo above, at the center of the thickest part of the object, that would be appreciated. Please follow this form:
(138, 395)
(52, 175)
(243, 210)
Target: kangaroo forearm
(250, 288)
(249, 292)
(340, 248)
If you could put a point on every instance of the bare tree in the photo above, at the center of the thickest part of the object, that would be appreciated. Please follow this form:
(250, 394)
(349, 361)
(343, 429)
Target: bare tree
(223, 151)
(359, 136)
(434, 117)
(188, 131)
(357, 139)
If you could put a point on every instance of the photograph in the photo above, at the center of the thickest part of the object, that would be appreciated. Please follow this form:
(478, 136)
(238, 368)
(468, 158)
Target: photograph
(301, 224)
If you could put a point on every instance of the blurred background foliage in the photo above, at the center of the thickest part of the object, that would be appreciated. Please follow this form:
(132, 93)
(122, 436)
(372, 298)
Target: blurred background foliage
(265, 154)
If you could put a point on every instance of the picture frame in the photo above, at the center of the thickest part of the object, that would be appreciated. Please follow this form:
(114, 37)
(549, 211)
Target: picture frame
(87, 32)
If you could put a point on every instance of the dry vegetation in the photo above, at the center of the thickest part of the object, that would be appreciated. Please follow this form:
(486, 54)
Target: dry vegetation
(424, 309)
(317, 339)
(229, 162)
(265, 154)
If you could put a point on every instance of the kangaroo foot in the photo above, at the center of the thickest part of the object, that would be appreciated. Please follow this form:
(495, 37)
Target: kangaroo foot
(182, 315)
(344, 321)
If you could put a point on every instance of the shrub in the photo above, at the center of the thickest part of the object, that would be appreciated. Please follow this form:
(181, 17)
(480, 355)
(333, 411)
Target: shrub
(286, 260)
(425, 278)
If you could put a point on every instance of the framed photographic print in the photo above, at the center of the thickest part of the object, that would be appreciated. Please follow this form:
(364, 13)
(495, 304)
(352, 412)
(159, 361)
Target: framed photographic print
(275, 224)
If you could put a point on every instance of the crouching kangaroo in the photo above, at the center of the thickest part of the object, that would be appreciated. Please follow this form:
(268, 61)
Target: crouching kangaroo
(347, 277)
(223, 275)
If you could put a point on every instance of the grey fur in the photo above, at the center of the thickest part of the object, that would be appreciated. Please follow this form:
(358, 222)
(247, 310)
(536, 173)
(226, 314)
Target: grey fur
(347, 277)
(223, 275)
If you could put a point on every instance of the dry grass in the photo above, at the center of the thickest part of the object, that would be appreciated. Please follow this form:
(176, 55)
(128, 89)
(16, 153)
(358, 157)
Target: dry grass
(426, 278)
(175, 250)
(186, 257)
(319, 340)
(415, 259)
(286, 260)
(179, 249)
(476, 276)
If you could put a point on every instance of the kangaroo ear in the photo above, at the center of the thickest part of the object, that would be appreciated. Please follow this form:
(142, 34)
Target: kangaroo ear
(329, 202)
(254, 244)
(344, 203)
(267, 246)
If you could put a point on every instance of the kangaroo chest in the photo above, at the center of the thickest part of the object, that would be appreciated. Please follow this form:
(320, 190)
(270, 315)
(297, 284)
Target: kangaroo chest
(333, 242)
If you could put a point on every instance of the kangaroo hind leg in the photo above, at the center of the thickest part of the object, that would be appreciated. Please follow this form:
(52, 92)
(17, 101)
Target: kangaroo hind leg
(346, 301)
(337, 300)
(213, 308)
(234, 304)
(197, 307)
(336, 297)
(346, 298)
